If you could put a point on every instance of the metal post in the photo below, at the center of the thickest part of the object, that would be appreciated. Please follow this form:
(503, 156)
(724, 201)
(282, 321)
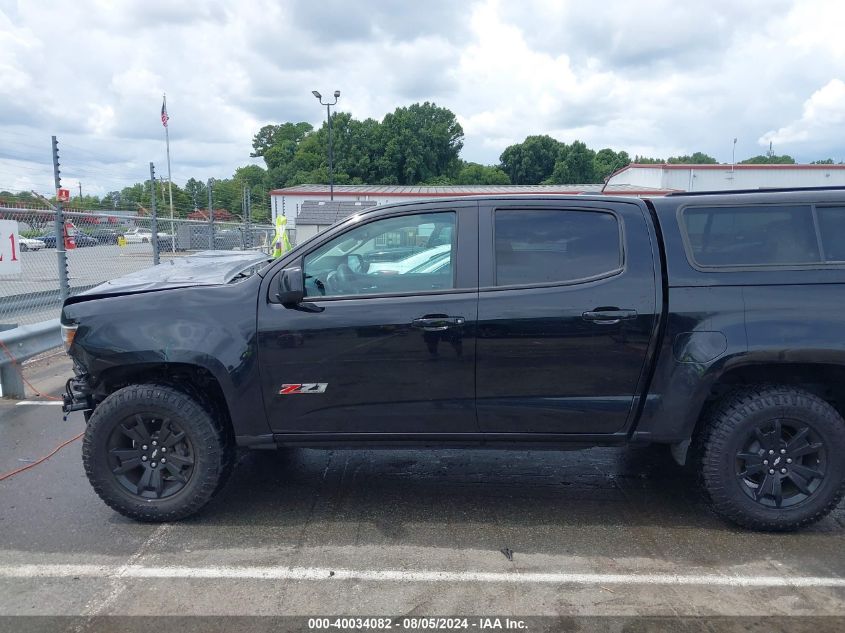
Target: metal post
(247, 227)
(331, 154)
(154, 220)
(210, 216)
(59, 223)
(169, 178)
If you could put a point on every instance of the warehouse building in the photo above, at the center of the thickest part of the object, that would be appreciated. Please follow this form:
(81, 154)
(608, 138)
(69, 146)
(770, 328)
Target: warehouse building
(721, 177)
(290, 200)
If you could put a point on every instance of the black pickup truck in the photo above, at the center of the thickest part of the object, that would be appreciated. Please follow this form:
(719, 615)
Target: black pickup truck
(709, 323)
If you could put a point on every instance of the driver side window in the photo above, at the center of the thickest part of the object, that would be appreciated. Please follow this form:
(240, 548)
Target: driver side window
(406, 254)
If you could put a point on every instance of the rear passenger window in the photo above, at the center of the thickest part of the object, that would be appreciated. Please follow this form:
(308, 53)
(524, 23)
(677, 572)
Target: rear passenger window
(752, 236)
(548, 246)
(832, 228)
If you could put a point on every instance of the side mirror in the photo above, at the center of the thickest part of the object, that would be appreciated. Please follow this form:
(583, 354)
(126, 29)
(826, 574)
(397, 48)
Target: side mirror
(291, 289)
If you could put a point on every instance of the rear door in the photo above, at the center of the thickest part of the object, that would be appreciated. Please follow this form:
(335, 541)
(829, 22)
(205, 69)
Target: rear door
(567, 308)
(386, 341)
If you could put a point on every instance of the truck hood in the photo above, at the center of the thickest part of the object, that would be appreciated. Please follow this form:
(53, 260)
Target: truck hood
(207, 268)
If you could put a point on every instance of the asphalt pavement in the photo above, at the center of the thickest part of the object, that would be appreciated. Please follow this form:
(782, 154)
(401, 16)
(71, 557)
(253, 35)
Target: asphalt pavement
(602, 538)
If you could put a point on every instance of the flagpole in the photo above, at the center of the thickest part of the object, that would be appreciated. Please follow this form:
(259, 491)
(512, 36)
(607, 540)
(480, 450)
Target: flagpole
(169, 181)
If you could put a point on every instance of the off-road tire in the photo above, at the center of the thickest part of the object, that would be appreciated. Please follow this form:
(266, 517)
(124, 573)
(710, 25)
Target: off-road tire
(723, 432)
(213, 454)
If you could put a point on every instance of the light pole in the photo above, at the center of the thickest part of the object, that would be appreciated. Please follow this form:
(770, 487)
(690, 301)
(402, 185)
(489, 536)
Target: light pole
(331, 151)
(733, 156)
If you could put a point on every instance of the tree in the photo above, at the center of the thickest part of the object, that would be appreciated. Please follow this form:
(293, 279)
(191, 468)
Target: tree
(197, 192)
(769, 159)
(824, 161)
(420, 142)
(607, 162)
(644, 160)
(532, 161)
(286, 136)
(575, 165)
(476, 174)
(411, 145)
(250, 176)
(696, 158)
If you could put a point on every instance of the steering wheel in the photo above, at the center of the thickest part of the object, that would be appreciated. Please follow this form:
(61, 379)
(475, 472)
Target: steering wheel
(345, 274)
(341, 279)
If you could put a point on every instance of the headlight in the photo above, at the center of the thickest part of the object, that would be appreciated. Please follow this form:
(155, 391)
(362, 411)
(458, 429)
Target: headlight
(68, 334)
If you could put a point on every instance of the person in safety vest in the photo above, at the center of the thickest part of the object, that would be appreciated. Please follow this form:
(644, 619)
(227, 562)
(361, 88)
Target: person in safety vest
(281, 243)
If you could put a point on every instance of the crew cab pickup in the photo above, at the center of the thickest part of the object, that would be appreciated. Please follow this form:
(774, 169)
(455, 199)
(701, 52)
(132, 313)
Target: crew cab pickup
(708, 323)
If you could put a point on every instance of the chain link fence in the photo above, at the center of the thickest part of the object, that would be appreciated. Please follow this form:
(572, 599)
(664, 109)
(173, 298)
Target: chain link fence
(107, 245)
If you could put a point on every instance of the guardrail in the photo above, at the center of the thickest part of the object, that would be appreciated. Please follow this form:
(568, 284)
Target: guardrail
(22, 343)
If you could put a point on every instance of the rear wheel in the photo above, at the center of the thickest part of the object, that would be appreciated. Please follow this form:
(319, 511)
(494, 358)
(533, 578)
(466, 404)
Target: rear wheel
(24, 247)
(153, 453)
(771, 458)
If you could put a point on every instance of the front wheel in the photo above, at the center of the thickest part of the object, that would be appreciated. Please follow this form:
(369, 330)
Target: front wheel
(153, 453)
(772, 458)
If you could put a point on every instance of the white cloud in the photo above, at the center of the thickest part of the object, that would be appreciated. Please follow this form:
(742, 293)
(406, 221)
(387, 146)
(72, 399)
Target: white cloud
(656, 77)
(822, 118)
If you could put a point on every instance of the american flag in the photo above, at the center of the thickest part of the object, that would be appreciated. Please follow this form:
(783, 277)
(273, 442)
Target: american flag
(164, 117)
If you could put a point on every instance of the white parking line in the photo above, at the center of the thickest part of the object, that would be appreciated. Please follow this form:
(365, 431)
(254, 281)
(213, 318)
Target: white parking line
(398, 575)
(49, 403)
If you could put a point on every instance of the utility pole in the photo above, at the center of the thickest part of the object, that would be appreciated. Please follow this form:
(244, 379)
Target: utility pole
(80, 190)
(59, 225)
(154, 219)
(210, 215)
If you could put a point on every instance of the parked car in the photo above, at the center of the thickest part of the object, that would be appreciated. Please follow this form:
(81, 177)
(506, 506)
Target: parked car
(138, 235)
(105, 236)
(563, 322)
(80, 239)
(29, 244)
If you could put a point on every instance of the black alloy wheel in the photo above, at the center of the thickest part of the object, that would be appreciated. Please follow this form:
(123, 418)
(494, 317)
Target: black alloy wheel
(151, 457)
(782, 463)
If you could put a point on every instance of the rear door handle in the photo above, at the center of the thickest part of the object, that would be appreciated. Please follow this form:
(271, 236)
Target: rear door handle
(609, 316)
(437, 322)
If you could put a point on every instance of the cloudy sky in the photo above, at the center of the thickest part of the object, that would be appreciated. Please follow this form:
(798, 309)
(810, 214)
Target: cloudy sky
(654, 77)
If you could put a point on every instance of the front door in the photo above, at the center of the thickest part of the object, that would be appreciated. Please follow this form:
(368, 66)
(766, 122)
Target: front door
(385, 343)
(567, 309)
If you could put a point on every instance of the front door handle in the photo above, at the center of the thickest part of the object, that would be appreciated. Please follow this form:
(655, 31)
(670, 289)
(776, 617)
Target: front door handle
(437, 322)
(608, 316)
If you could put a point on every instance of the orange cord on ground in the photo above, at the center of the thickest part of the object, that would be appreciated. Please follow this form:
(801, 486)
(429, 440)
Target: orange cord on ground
(12, 473)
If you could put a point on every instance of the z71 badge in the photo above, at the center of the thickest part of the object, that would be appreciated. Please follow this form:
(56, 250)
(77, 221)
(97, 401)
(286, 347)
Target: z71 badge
(305, 387)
